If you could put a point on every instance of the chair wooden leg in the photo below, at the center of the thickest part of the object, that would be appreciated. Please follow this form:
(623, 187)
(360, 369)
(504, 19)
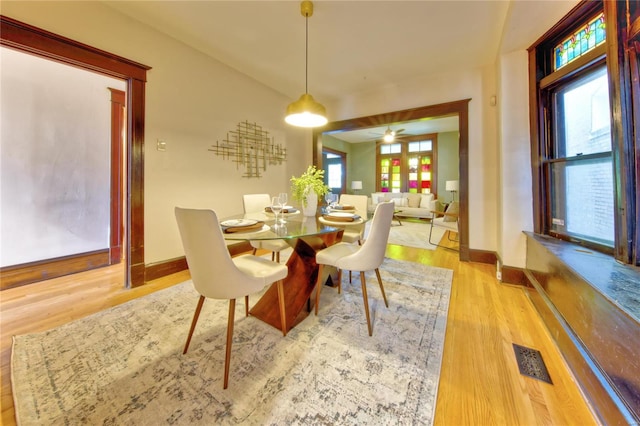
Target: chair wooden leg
(384, 296)
(227, 355)
(340, 280)
(366, 302)
(319, 286)
(254, 251)
(193, 323)
(283, 316)
(349, 277)
(246, 305)
(273, 256)
(278, 257)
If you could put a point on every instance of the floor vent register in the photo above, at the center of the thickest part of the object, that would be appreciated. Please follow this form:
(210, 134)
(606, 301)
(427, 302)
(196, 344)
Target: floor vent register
(531, 364)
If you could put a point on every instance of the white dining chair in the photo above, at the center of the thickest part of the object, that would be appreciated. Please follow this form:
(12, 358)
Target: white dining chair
(369, 256)
(256, 203)
(354, 233)
(216, 275)
(447, 220)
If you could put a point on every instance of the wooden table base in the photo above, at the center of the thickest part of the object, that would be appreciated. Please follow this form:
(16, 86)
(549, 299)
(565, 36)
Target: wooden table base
(298, 285)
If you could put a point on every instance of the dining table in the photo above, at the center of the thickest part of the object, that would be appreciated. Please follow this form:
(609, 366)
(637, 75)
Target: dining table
(306, 235)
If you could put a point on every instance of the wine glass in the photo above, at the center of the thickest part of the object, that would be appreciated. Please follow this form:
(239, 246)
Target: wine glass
(276, 207)
(329, 199)
(283, 201)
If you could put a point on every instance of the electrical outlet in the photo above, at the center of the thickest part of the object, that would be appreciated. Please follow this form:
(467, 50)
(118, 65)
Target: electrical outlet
(499, 270)
(499, 275)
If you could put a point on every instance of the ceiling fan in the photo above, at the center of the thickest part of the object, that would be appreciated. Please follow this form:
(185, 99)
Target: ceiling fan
(390, 135)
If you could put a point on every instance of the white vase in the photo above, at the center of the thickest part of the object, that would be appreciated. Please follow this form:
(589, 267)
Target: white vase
(310, 204)
(309, 225)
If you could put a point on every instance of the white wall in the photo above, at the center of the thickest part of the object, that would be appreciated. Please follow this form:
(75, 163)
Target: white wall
(191, 101)
(55, 151)
(516, 208)
(191, 116)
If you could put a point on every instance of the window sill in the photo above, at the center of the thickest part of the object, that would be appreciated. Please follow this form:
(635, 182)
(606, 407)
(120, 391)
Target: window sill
(618, 282)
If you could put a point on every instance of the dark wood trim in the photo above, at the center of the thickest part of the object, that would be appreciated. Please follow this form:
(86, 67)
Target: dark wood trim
(116, 230)
(166, 267)
(625, 155)
(483, 256)
(27, 273)
(29, 39)
(171, 266)
(135, 182)
(459, 108)
(597, 336)
(513, 275)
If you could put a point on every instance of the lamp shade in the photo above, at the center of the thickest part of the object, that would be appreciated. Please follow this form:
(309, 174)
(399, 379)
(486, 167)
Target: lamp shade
(452, 185)
(306, 112)
(356, 184)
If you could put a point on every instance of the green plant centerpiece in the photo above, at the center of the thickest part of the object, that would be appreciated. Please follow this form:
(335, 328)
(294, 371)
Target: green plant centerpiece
(311, 180)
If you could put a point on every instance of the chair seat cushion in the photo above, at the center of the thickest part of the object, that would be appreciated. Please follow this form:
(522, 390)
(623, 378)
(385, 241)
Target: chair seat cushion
(333, 254)
(258, 267)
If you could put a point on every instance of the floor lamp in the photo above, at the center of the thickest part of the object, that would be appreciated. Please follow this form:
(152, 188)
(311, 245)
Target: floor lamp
(452, 186)
(356, 185)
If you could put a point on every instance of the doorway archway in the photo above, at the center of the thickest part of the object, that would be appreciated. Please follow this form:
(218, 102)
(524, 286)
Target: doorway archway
(457, 108)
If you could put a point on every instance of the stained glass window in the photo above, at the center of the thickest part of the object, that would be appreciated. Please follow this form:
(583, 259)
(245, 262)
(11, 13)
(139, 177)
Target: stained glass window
(586, 38)
(400, 172)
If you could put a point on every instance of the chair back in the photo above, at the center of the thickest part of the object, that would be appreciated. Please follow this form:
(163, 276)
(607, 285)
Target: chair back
(213, 272)
(358, 201)
(255, 203)
(371, 254)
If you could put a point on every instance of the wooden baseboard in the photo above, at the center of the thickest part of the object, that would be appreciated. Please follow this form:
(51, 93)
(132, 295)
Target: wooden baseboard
(513, 275)
(27, 273)
(171, 266)
(483, 256)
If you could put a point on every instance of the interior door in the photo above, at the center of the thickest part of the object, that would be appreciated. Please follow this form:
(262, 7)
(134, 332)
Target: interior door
(334, 164)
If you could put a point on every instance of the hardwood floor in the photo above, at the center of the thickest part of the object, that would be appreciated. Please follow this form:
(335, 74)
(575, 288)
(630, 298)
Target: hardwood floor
(479, 384)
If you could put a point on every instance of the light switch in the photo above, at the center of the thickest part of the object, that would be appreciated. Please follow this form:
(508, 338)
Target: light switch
(161, 145)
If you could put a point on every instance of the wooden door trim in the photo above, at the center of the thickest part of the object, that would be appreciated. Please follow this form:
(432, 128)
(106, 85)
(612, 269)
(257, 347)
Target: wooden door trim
(29, 39)
(118, 121)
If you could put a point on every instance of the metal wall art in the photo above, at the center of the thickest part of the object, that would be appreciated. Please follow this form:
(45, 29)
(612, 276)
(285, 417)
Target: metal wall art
(251, 147)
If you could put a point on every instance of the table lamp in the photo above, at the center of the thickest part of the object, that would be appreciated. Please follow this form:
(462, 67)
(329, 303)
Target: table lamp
(453, 186)
(356, 185)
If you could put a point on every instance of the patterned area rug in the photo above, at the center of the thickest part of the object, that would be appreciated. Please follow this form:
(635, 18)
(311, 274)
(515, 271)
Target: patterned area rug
(414, 234)
(125, 365)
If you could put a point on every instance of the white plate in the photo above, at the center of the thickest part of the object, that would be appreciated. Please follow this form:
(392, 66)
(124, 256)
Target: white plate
(340, 214)
(235, 223)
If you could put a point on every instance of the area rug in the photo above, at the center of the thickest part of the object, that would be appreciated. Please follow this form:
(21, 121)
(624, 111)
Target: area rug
(414, 234)
(125, 365)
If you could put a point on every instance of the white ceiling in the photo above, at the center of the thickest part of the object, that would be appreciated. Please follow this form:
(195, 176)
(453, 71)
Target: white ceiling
(354, 46)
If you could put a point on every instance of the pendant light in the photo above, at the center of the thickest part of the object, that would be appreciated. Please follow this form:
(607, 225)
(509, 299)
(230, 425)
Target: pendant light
(306, 112)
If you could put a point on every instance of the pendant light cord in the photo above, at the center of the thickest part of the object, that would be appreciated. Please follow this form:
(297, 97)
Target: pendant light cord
(306, 54)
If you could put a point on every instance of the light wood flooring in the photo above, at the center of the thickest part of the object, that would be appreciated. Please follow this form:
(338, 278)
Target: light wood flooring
(479, 384)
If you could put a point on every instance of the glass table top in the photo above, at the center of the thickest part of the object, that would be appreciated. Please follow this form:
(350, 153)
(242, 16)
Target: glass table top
(295, 225)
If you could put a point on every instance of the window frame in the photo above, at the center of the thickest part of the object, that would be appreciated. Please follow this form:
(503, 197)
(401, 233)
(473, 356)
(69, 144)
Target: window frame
(542, 78)
(404, 160)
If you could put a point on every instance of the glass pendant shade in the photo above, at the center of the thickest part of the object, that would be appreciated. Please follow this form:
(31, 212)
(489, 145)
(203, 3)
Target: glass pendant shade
(306, 112)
